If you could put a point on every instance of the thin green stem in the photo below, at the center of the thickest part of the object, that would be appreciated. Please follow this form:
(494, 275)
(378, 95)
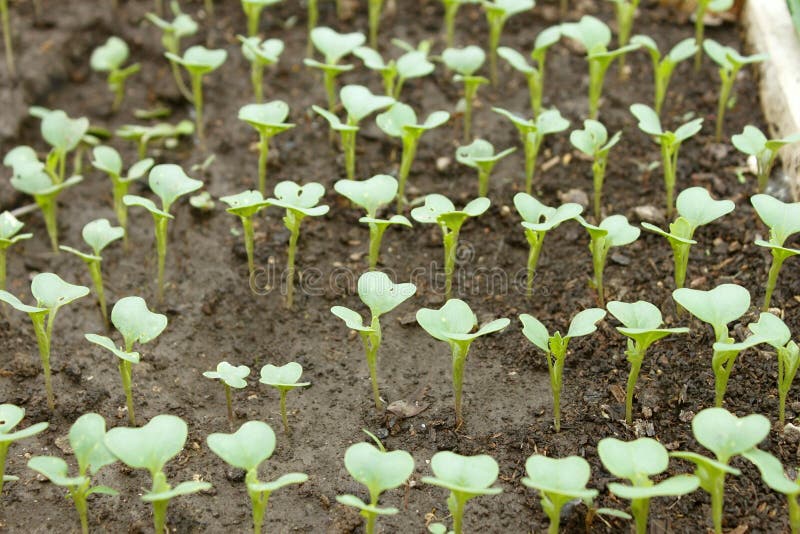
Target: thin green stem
(535, 89)
(263, 154)
(119, 190)
(596, 78)
(728, 79)
(496, 23)
(450, 241)
(598, 176)
(125, 372)
(640, 509)
(3, 453)
(722, 364)
(197, 92)
(229, 403)
(43, 328)
(161, 251)
(450, 12)
(483, 181)
(376, 232)
(794, 513)
(249, 243)
(459, 361)
(635, 357)
(349, 149)
(410, 143)
(96, 273)
(258, 499)
(78, 495)
(669, 156)
(4, 17)
(257, 79)
(470, 90)
(3, 263)
(313, 18)
(599, 253)
(375, 8)
(699, 30)
(253, 12)
(680, 253)
(294, 229)
(329, 80)
(457, 511)
(372, 345)
(179, 82)
(284, 416)
(535, 240)
(772, 278)
(717, 500)
(532, 141)
(48, 205)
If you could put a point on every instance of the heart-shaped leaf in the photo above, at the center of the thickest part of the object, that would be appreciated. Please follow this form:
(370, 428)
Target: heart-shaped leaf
(370, 194)
(303, 199)
(136, 322)
(51, 292)
(472, 475)
(62, 132)
(109, 56)
(232, 375)
(717, 307)
(634, 460)
(378, 470)
(380, 294)
(87, 439)
(246, 448)
(726, 435)
(560, 476)
(333, 45)
(285, 376)
(465, 61)
(151, 446)
(169, 182)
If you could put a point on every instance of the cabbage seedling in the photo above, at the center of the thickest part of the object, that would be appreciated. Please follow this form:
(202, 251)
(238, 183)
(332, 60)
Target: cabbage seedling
(451, 8)
(51, 293)
(142, 135)
(730, 62)
(624, 12)
(558, 481)
(532, 133)
(63, 134)
(87, 440)
(137, 324)
(695, 208)
(480, 156)
(438, 209)
(727, 436)
(413, 64)
(699, 24)
(169, 183)
(465, 62)
(377, 291)
(537, 220)
(284, 379)
(775, 478)
(637, 461)
(783, 220)
(663, 66)
(613, 231)
(231, 376)
(98, 234)
(10, 416)
(466, 477)
(534, 74)
(453, 323)
(151, 447)
(641, 324)
(246, 449)
(670, 143)
(9, 234)
(594, 142)
(109, 58)
(299, 202)
(252, 10)
(497, 13)
(5, 19)
(268, 120)
(754, 143)
(171, 34)
(333, 46)
(373, 194)
(555, 347)
(379, 470)
(246, 205)
(260, 54)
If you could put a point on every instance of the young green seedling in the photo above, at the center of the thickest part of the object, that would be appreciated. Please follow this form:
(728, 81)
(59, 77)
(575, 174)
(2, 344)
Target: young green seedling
(594, 142)
(466, 477)
(663, 66)
(534, 74)
(695, 208)
(231, 376)
(142, 135)
(10, 416)
(670, 143)
(372, 195)
(299, 202)
(532, 133)
(727, 436)
(555, 347)
(169, 183)
(151, 447)
(246, 205)
(537, 220)
(783, 220)
(87, 440)
(246, 449)
(137, 324)
(64, 135)
(9, 234)
(451, 8)
(454, 323)
(465, 62)
(5, 19)
(268, 120)
(497, 13)
(379, 470)
(699, 24)
(51, 293)
(172, 32)
(284, 379)
(775, 478)
(109, 58)
(400, 121)
(637, 461)
(558, 481)
(260, 54)
(252, 10)
(438, 209)
(98, 234)
(754, 143)
(480, 155)
(333, 46)
(613, 231)
(641, 324)
(377, 291)
(413, 64)
(730, 62)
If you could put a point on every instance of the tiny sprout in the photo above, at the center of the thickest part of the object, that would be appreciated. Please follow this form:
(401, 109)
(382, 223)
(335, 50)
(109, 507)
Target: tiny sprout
(299, 202)
(379, 470)
(64, 135)
(7, 40)
(87, 440)
(559, 481)
(480, 156)
(142, 135)
(51, 293)
(465, 62)
(641, 324)
(624, 12)
(333, 46)
(109, 58)
(727, 436)
(776, 334)
(400, 120)
(438, 209)
(231, 376)
(10, 416)
(783, 220)
(203, 202)
(284, 379)
(454, 323)
(268, 120)
(637, 461)
(555, 347)
(670, 143)
(730, 62)
(372, 195)
(699, 24)
(413, 64)
(497, 13)
(246, 449)
(451, 8)
(252, 10)
(534, 74)
(374, 15)
(381, 295)
(466, 477)
(754, 143)
(775, 478)
(663, 66)
(151, 447)
(98, 234)
(260, 54)
(613, 231)
(532, 133)
(9, 235)
(172, 32)
(594, 142)
(246, 205)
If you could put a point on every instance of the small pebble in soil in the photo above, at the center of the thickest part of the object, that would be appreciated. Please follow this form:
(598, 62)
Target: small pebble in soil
(235, 475)
(577, 196)
(649, 214)
(443, 163)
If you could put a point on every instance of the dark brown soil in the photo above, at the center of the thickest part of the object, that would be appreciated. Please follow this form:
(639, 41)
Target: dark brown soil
(215, 316)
